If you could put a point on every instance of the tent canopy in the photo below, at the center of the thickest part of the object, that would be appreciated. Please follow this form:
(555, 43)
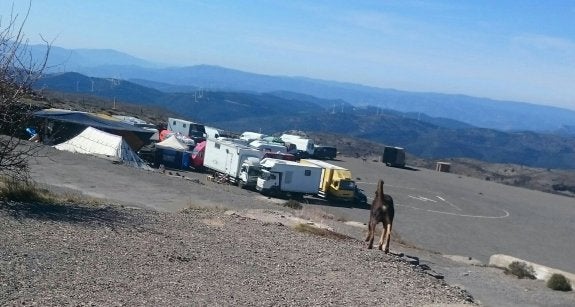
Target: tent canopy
(172, 142)
(99, 143)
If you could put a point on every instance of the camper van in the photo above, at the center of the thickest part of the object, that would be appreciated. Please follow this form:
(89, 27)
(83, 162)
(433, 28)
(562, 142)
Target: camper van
(195, 131)
(226, 157)
(301, 144)
(268, 146)
(282, 177)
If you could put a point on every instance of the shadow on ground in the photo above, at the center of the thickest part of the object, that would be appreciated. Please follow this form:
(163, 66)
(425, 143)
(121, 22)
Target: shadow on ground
(332, 203)
(83, 214)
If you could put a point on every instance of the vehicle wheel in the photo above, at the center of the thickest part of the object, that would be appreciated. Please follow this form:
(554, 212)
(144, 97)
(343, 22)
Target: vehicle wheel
(241, 184)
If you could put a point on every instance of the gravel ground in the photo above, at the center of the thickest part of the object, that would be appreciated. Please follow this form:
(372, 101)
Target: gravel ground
(35, 231)
(109, 255)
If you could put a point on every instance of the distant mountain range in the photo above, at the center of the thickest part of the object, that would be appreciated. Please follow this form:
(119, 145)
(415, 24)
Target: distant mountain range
(480, 112)
(422, 135)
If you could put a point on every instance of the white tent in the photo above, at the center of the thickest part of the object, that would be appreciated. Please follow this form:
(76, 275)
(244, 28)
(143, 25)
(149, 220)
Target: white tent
(172, 142)
(99, 143)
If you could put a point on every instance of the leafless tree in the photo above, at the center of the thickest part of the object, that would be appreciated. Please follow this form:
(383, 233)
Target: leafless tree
(18, 71)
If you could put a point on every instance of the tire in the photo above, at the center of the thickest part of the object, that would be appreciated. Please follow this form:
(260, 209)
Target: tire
(242, 184)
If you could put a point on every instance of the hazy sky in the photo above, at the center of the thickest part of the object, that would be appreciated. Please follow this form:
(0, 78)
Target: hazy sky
(515, 50)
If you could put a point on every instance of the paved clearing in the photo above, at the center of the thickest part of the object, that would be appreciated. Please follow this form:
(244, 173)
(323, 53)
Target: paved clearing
(435, 211)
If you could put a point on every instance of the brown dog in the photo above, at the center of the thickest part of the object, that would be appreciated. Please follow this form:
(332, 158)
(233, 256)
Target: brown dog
(381, 211)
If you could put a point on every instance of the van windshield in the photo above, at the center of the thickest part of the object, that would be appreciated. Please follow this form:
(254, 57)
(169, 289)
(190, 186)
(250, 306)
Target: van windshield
(253, 171)
(348, 185)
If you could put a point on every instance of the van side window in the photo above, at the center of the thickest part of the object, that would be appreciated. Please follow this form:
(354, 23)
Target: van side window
(174, 123)
(217, 145)
(184, 125)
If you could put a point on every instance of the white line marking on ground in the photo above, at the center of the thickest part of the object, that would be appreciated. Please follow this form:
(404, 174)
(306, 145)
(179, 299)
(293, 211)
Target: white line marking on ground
(422, 198)
(452, 205)
(506, 213)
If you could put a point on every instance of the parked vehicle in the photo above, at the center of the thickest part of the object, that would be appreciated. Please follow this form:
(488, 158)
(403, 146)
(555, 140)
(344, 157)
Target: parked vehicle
(303, 144)
(212, 132)
(336, 182)
(289, 178)
(226, 158)
(249, 173)
(279, 156)
(268, 146)
(197, 156)
(323, 152)
(251, 136)
(394, 156)
(195, 131)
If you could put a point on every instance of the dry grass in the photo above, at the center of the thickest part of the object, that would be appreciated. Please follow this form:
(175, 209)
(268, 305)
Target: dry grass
(326, 233)
(25, 191)
(315, 214)
(31, 192)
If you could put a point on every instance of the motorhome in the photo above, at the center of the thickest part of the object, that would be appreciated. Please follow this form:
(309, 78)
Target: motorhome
(268, 146)
(251, 168)
(282, 177)
(301, 144)
(195, 131)
(226, 158)
(336, 182)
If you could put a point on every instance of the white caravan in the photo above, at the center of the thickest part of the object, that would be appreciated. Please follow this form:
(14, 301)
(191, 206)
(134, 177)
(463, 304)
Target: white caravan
(268, 146)
(195, 131)
(227, 157)
(251, 136)
(300, 143)
(281, 177)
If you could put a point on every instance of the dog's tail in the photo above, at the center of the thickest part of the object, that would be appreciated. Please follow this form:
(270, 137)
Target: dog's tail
(379, 192)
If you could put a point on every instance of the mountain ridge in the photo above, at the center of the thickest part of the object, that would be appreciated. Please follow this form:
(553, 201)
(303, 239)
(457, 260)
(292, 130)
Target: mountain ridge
(476, 111)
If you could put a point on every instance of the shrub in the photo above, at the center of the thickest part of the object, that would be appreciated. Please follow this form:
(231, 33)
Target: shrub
(294, 204)
(559, 282)
(521, 270)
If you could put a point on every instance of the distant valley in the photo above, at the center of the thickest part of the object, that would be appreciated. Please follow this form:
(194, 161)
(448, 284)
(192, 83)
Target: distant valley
(422, 135)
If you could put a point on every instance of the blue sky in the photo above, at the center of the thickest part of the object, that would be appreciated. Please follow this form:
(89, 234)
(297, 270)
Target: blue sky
(512, 50)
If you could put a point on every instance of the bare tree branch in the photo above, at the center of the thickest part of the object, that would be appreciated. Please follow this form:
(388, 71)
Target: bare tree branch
(18, 71)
